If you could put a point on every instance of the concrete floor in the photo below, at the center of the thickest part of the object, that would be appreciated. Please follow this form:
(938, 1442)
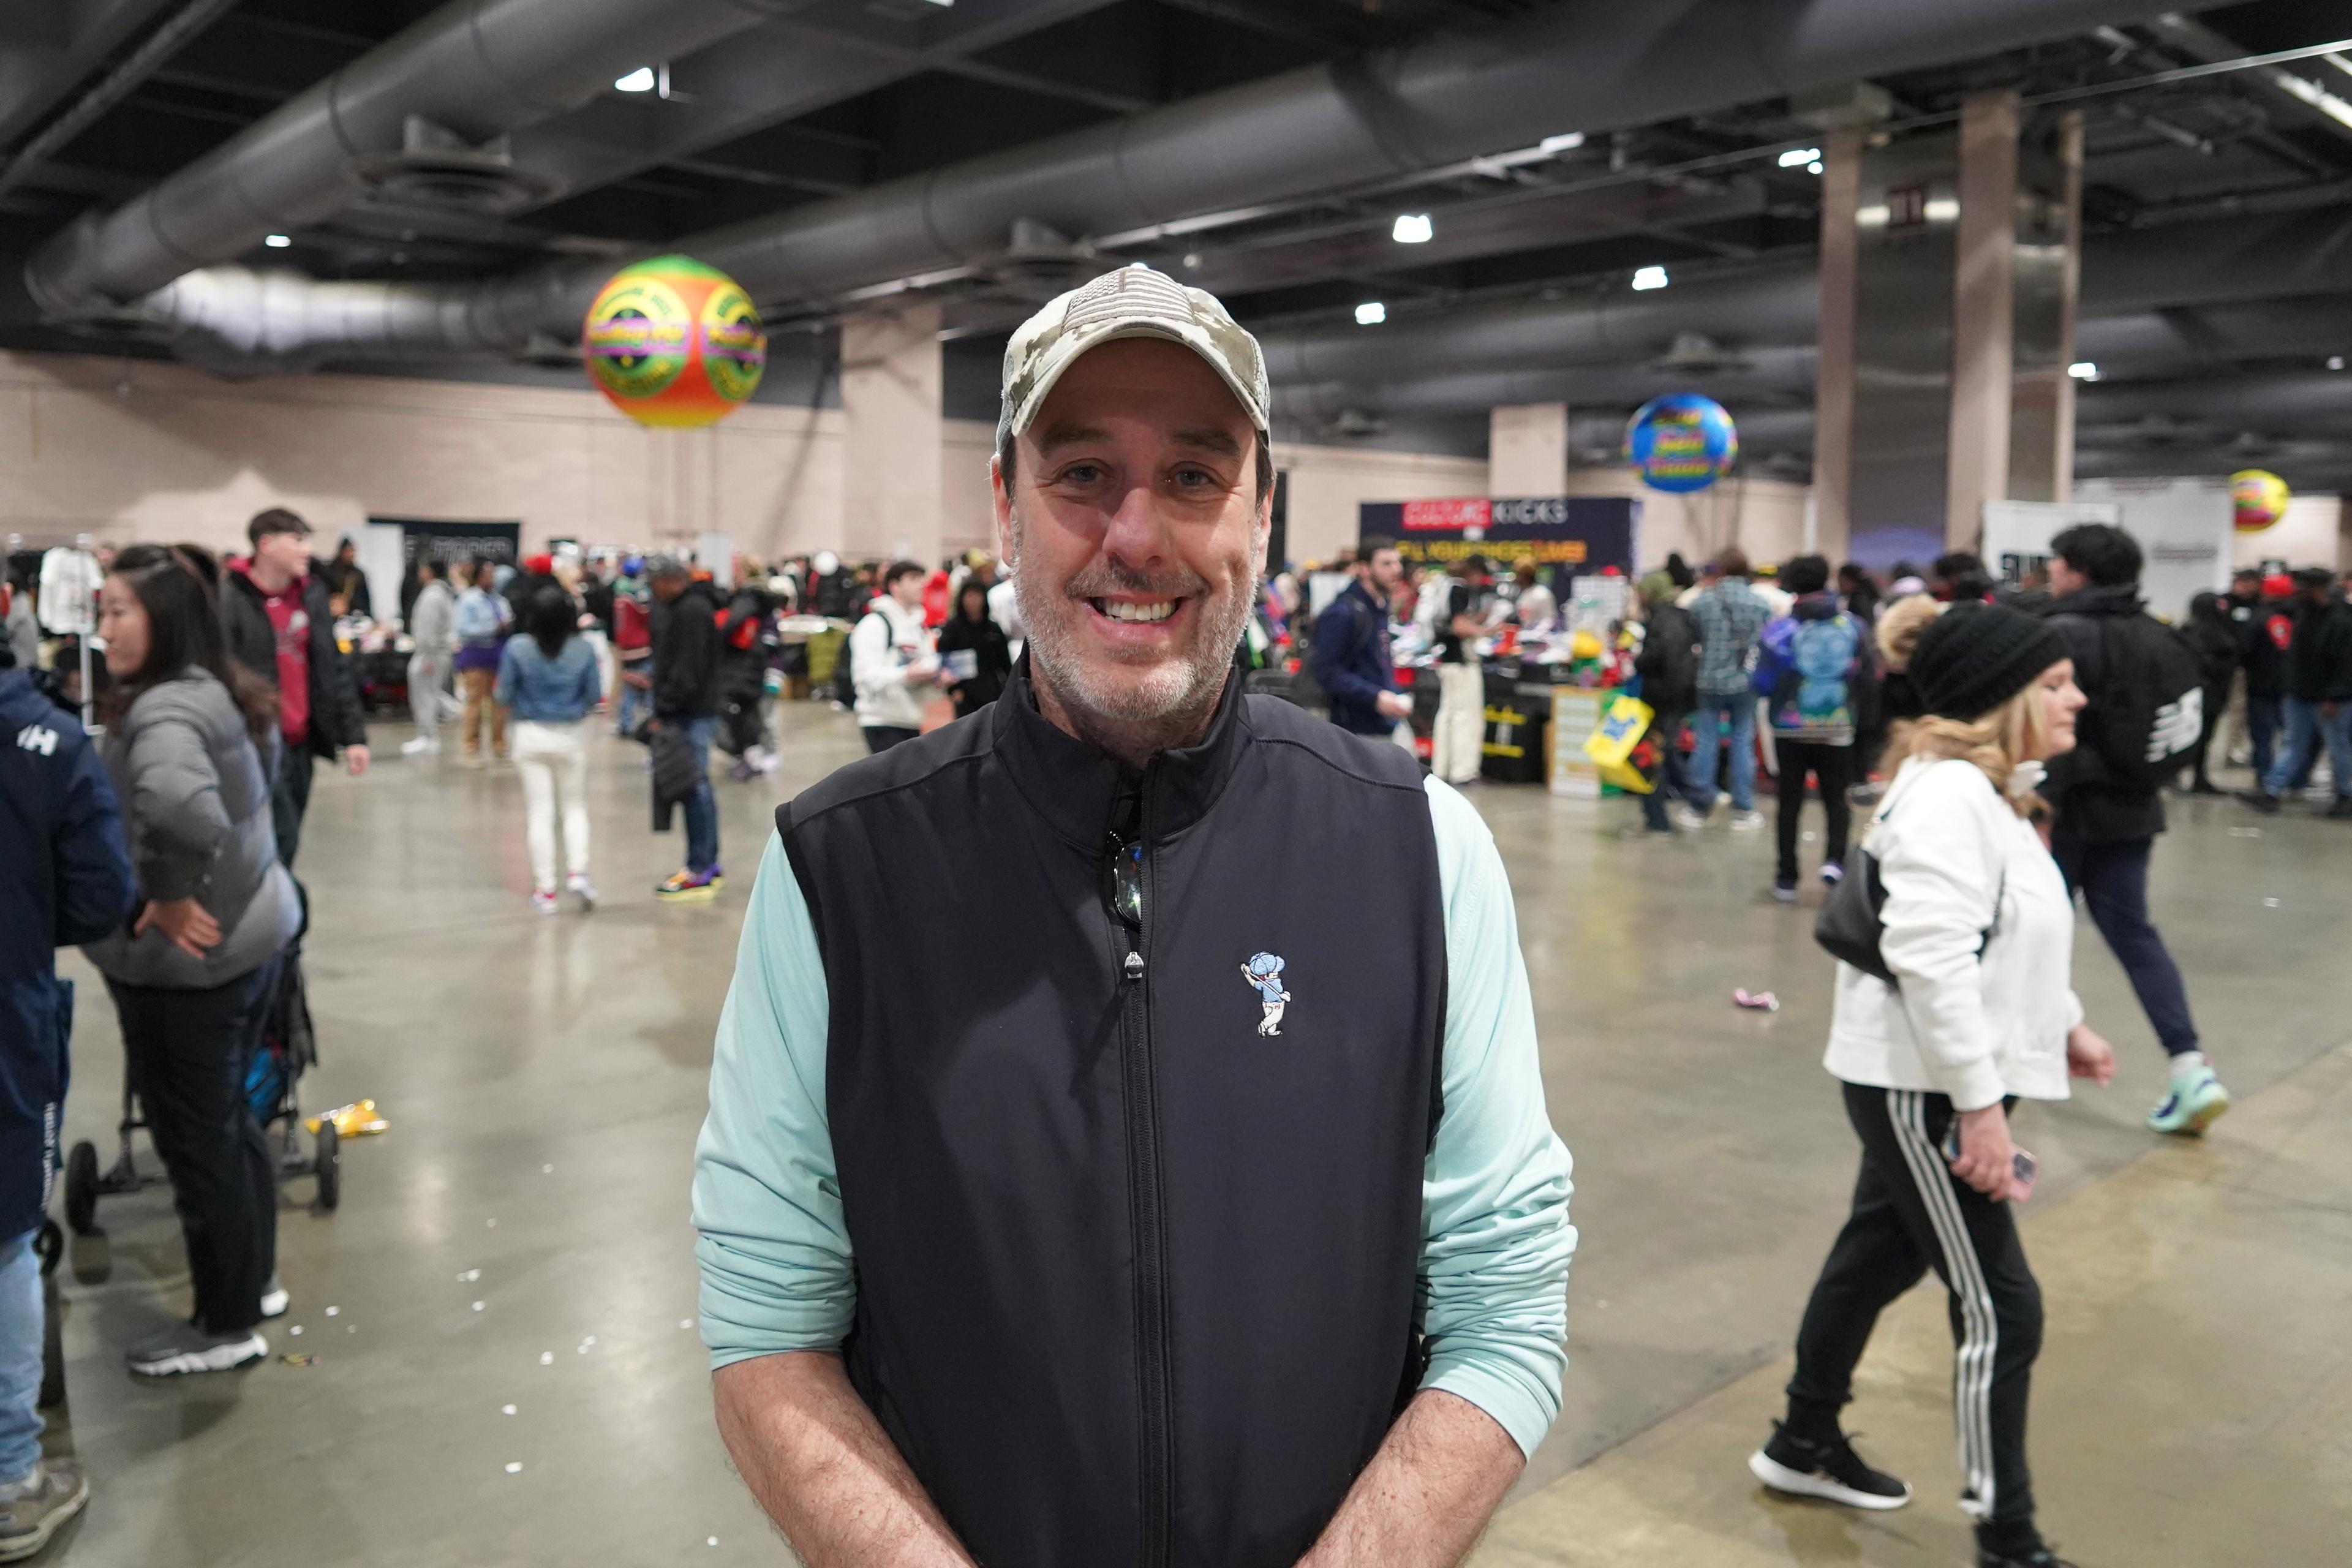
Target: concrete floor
(544, 1080)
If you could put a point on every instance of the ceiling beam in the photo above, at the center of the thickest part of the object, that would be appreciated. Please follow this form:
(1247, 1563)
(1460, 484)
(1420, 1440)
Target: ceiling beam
(47, 50)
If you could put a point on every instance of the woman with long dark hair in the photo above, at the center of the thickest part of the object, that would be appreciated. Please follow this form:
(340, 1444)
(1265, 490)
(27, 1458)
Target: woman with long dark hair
(549, 679)
(973, 650)
(191, 746)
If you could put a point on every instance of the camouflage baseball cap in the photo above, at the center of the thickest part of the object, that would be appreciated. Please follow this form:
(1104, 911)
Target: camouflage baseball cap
(1133, 302)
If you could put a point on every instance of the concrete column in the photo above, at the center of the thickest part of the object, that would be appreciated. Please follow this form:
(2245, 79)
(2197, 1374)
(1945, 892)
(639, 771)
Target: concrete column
(1984, 279)
(892, 503)
(1526, 450)
(2070, 289)
(1834, 366)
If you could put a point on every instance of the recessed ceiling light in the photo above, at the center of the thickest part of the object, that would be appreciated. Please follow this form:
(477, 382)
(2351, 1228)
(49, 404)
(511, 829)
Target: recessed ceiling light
(1813, 168)
(1566, 142)
(1796, 155)
(638, 80)
(1371, 313)
(2082, 370)
(1650, 277)
(1413, 228)
(276, 241)
(2335, 361)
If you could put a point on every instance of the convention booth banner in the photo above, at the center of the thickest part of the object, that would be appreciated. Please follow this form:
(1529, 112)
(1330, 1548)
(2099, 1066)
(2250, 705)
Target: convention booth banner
(501, 542)
(1587, 532)
(2017, 533)
(2186, 527)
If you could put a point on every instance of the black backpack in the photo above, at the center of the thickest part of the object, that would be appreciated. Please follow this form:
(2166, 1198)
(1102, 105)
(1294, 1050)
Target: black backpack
(2152, 708)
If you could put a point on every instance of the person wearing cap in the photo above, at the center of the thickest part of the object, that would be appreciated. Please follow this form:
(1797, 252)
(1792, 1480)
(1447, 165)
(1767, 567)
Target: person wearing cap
(1199, 1205)
(2318, 695)
(280, 627)
(1978, 932)
(688, 650)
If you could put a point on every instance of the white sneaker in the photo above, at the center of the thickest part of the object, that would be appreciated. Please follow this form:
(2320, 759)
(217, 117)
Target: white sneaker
(1683, 816)
(1746, 821)
(580, 887)
(274, 1299)
(543, 900)
(422, 746)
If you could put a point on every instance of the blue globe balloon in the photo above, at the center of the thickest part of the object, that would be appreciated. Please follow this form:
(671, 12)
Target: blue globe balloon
(1681, 442)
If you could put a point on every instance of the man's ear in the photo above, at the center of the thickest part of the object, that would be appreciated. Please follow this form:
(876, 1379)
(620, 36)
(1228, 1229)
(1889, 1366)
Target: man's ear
(1001, 506)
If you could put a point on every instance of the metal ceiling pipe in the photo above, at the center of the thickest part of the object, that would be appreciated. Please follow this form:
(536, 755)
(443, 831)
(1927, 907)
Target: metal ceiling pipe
(35, 78)
(475, 68)
(1752, 375)
(1588, 66)
(176, 32)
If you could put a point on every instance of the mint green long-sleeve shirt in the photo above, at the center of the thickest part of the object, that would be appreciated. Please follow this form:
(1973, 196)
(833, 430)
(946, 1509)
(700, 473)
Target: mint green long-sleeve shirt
(776, 1255)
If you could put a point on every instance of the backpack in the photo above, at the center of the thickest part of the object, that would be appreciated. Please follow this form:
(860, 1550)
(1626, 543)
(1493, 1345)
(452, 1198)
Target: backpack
(1668, 661)
(2151, 708)
(1803, 669)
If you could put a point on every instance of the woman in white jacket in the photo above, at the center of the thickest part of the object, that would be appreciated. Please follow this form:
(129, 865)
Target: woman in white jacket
(1978, 931)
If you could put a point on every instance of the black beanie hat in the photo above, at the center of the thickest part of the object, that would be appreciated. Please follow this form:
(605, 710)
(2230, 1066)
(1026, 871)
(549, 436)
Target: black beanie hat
(1974, 657)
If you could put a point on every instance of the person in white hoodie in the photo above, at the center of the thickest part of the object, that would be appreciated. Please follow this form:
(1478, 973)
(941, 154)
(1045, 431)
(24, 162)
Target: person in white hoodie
(1979, 933)
(891, 660)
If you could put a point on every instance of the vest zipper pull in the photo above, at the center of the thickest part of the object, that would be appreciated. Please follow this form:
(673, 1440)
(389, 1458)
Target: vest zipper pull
(1135, 966)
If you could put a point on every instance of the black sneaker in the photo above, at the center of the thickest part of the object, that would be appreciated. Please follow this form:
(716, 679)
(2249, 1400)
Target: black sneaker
(2034, 1554)
(2260, 800)
(1833, 1471)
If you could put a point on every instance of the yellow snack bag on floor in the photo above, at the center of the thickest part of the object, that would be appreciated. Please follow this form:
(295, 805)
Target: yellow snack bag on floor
(1610, 746)
(350, 1121)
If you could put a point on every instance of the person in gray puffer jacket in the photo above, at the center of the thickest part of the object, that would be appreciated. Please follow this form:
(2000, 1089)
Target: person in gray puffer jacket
(190, 750)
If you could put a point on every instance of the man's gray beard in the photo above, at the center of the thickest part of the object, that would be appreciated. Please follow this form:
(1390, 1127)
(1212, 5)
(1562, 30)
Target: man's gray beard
(1171, 693)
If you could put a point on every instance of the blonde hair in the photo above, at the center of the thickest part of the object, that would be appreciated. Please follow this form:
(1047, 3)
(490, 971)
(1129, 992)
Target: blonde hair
(1899, 626)
(1996, 743)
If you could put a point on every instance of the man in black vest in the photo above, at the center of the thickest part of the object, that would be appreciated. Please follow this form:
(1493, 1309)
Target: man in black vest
(1195, 1203)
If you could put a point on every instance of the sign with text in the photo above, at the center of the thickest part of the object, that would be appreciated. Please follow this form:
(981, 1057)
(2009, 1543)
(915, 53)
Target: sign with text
(1587, 532)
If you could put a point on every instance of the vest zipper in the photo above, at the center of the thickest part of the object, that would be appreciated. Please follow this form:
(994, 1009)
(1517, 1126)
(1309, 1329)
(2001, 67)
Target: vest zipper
(1148, 1214)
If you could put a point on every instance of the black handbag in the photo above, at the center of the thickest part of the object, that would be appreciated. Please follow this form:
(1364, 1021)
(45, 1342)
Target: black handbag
(1853, 921)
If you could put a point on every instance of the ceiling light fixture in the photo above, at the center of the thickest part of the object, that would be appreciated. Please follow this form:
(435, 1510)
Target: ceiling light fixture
(1813, 168)
(1796, 155)
(1566, 142)
(1650, 277)
(2082, 370)
(1413, 228)
(638, 80)
(276, 241)
(2335, 361)
(1371, 313)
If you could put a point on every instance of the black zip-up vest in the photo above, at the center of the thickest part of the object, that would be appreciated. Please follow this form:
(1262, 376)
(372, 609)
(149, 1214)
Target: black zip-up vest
(1135, 1241)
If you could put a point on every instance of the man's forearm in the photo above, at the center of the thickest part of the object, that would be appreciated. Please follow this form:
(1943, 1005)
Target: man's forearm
(1427, 1494)
(823, 1468)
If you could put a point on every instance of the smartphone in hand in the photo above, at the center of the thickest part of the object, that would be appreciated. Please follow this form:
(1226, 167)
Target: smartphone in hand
(2024, 1166)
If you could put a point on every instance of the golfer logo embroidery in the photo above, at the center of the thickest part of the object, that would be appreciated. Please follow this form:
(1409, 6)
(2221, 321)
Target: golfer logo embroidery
(1263, 973)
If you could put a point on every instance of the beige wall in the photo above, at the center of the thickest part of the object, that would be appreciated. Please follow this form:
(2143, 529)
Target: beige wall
(1765, 518)
(1328, 484)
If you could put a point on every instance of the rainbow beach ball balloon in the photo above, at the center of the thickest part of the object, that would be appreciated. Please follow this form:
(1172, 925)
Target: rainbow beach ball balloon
(1681, 442)
(674, 343)
(2257, 499)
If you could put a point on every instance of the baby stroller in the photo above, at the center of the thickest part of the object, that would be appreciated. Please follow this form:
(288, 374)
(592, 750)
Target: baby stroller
(287, 1051)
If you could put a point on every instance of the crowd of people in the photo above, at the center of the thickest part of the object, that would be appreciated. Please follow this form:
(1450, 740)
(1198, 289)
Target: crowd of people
(2004, 749)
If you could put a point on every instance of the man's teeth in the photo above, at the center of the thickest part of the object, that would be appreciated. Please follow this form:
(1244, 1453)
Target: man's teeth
(1159, 610)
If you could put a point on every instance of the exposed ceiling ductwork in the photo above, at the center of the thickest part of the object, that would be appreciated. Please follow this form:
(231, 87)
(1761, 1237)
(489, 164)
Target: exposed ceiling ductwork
(436, 97)
(1453, 97)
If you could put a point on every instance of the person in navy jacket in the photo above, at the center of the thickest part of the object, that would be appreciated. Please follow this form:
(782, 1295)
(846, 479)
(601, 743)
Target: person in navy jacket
(65, 879)
(1350, 655)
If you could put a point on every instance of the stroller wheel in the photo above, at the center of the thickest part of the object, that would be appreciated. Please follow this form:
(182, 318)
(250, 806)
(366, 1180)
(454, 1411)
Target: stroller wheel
(329, 1166)
(81, 1188)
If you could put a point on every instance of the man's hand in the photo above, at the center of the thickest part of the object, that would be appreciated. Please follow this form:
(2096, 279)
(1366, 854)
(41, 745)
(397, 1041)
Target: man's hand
(356, 759)
(825, 1469)
(922, 670)
(188, 924)
(2089, 1056)
(1393, 705)
(1427, 1494)
(1987, 1159)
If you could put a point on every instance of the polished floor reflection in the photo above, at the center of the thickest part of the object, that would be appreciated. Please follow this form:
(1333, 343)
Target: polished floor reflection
(501, 1308)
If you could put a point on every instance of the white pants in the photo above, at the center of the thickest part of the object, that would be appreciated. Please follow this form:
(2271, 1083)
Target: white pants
(541, 752)
(1461, 735)
(427, 677)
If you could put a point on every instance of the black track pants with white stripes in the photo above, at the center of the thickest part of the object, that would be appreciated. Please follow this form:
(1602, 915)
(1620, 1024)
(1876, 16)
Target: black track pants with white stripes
(1910, 1215)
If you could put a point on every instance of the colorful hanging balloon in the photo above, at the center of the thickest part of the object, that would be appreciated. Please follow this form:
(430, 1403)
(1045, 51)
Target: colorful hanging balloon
(1681, 442)
(674, 343)
(2257, 499)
